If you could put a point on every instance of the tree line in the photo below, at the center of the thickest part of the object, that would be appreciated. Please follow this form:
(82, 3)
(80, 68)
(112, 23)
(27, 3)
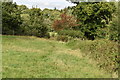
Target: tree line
(86, 20)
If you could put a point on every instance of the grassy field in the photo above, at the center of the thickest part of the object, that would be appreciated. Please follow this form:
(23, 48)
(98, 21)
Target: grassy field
(31, 57)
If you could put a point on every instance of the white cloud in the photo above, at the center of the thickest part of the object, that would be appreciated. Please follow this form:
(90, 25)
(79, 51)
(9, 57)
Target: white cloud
(59, 4)
(46, 4)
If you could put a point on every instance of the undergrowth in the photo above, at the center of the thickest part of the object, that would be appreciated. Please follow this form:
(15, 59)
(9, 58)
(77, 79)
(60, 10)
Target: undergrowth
(104, 52)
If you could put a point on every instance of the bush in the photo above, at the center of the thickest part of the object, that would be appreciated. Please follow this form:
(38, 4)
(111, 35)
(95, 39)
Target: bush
(105, 52)
(47, 35)
(62, 38)
(42, 31)
(72, 33)
(65, 22)
(53, 34)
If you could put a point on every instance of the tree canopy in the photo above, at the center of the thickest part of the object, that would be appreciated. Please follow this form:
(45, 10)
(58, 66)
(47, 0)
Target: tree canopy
(90, 20)
(94, 16)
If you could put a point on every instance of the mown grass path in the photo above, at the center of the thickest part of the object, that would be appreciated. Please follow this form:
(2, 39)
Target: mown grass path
(30, 57)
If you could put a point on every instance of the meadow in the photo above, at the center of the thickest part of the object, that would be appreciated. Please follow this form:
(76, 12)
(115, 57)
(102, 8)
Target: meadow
(78, 41)
(32, 57)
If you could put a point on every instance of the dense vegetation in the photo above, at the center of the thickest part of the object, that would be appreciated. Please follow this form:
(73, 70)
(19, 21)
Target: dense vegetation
(91, 20)
(91, 27)
(104, 52)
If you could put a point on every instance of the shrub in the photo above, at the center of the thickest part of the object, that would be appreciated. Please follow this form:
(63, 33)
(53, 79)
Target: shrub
(47, 36)
(53, 34)
(62, 38)
(40, 30)
(105, 52)
(72, 33)
(65, 22)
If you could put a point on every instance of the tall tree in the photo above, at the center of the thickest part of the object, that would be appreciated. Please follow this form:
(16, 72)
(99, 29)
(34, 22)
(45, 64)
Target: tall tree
(0, 17)
(11, 19)
(94, 18)
(36, 23)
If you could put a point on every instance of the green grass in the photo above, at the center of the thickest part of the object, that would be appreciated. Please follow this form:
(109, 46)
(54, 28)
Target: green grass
(31, 57)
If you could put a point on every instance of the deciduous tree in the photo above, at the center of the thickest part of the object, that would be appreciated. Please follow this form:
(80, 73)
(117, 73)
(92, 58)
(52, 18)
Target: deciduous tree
(94, 16)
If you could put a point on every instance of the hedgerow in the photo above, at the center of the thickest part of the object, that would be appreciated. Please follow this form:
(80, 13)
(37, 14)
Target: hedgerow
(104, 52)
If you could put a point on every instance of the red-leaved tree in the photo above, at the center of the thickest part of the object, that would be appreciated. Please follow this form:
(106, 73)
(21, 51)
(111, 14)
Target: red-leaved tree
(66, 22)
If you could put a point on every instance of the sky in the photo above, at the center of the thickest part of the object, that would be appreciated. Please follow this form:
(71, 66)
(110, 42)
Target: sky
(50, 4)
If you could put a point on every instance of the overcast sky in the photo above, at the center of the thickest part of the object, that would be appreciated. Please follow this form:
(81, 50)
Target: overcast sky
(51, 4)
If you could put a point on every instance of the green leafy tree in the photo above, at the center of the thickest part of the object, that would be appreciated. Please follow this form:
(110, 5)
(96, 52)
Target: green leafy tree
(11, 19)
(114, 35)
(118, 20)
(49, 16)
(0, 17)
(36, 25)
(22, 9)
(94, 16)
